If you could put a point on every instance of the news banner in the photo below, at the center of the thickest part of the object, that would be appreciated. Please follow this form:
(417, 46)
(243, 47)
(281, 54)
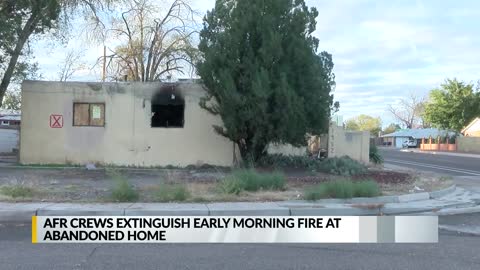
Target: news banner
(235, 229)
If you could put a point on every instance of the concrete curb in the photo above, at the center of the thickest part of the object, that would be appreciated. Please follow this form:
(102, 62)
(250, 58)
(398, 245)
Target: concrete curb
(441, 153)
(167, 209)
(391, 199)
(465, 230)
(20, 211)
(247, 209)
(443, 192)
(414, 197)
(70, 209)
(24, 214)
(459, 211)
(389, 205)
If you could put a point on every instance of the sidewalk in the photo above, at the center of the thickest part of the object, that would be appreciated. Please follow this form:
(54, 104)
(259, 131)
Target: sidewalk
(450, 199)
(444, 153)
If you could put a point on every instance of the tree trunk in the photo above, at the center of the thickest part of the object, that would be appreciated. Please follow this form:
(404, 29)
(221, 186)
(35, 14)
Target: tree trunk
(22, 39)
(251, 152)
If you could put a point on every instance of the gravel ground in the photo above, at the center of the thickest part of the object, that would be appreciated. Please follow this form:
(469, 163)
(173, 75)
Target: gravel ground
(81, 185)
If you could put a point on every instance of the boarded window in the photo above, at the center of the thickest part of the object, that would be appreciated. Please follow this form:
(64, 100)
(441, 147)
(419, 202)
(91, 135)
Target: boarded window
(89, 114)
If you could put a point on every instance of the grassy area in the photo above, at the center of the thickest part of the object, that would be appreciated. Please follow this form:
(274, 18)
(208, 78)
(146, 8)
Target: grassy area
(171, 193)
(248, 185)
(122, 191)
(250, 180)
(344, 189)
(17, 191)
(230, 185)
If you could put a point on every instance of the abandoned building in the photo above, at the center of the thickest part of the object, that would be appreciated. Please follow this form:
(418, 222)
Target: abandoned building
(136, 124)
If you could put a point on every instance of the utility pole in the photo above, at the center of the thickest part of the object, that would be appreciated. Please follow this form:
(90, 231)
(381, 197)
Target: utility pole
(104, 63)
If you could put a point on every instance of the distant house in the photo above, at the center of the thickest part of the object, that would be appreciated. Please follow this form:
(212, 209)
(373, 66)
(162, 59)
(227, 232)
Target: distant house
(10, 120)
(472, 129)
(9, 131)
(396, 139)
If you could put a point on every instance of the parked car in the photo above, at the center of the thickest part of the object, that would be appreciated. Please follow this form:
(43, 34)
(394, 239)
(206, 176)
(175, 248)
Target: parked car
(410, 143)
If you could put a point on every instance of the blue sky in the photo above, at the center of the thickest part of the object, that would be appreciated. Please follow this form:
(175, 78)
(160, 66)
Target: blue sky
(382, 50)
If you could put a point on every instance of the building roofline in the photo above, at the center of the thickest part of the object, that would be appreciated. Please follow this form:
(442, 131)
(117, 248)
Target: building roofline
(471, 124)
(180, 81)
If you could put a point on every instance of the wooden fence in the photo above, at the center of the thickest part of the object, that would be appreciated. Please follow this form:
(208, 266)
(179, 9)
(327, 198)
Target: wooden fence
(436, 145)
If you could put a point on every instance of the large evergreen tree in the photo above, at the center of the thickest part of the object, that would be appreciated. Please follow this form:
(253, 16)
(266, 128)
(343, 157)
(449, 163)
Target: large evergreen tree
(263, 75)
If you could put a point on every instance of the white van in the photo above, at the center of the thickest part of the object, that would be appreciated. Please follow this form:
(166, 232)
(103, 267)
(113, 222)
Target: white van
(410, 143)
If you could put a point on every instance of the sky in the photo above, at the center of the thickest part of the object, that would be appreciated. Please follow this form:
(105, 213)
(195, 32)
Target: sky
(382, 50)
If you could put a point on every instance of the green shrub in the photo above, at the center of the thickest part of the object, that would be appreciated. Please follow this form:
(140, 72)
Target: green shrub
(341, 166)
(366, 189)
(171, 193)
(342, 189)
(283, 161)
(230, 185)
(122, 190)
(338, 165)
(375, 155)
(250, 180)
(16, 191)
(253, 181)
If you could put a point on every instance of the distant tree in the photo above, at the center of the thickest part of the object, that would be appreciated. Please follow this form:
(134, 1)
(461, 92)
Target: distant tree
(21, 20)
(155, 41)
(453, 105)
(12, 100)
(365, 123)
(262, 74)
(408, 111)
(71, 64)
(391, 128)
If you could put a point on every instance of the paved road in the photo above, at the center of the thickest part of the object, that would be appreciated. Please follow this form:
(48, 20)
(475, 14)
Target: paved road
(448, 165)
(454, 251)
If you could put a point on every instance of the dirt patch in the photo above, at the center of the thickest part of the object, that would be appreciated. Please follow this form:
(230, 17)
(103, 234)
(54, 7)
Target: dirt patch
(81, 185)
(418, 183)
(386, 177)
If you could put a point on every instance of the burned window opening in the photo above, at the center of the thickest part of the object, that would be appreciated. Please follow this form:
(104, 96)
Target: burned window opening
(168, 109)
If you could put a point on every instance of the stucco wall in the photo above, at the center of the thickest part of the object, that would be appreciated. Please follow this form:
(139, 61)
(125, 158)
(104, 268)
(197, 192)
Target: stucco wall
(468, 144)
(287, 149)
(126, 138)
(354, 144)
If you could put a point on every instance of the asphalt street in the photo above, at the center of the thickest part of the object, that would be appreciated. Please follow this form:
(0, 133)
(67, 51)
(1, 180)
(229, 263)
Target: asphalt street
(442, 164)
(454, 251)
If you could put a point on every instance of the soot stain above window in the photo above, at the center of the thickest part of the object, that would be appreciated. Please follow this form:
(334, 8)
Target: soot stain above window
(168, 108)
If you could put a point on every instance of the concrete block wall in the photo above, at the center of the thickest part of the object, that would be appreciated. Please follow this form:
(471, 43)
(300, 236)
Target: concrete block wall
(468, 144)
(355, 144)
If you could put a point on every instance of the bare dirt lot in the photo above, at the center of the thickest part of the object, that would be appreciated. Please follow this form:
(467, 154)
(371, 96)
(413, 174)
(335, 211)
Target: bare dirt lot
(81, 185)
